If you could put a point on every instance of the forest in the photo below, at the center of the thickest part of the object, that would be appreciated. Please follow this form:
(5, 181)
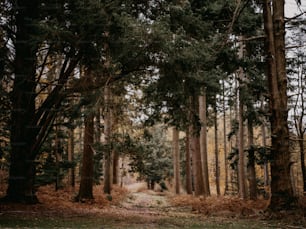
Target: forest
(184, 103)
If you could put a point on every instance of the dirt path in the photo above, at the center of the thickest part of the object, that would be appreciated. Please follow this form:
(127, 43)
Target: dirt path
(143, 201)
(140, 209)
(149, 209)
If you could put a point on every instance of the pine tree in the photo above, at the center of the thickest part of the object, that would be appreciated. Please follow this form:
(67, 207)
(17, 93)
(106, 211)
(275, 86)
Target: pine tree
(176, 160)
(188, 164)
(203, 141)
(151, 156)
(274, 24)
(108, 154)
(87, 173)
(63, 38)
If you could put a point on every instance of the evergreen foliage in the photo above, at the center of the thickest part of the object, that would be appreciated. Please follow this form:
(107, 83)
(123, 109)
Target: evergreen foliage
(151, 157)
(55, 56)
(52, 162)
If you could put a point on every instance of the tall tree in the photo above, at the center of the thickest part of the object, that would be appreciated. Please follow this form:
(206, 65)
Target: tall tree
(195, 148)
(203, 141)
(266, 162)
(226, 180)
(108, 154)
(188, 163)
(70, 151)
(151, 156)
(87, 173)
(87, 165)
(251, 163)
(241, 161)
(241, 111)
(76, 35)
(176, 159)
(21, 179)
(32, 120)
(216, 143)
(274, 25)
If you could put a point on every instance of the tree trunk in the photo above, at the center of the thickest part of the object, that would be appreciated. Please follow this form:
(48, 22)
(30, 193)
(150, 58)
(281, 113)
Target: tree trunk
(235, 175)
(203, 142)
(251, 163)
(302, 154)
(241, 164)
(23, 132)
(217, 169)
(225, 142)
(98, 139)
(233, 187)
(176, 159)
(116, 155)
(197, 166)
(195, 150)
(188, 163)
(87, 173)
(70, 150)
(266, 163)
(98, 125)
(116, 167)
(264, 145)
(108, 154)
(58, 157)
(274, 25)
(30, 124)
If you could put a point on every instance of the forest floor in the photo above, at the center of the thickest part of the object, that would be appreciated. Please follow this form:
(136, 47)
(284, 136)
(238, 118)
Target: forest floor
(136, 207)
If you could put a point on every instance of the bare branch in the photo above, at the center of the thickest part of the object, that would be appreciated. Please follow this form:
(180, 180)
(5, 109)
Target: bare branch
(259, 37)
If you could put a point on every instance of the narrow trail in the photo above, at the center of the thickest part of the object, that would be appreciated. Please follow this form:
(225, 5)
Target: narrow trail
(149, 202)
(148, 199)
(151, 209)
(140, 209)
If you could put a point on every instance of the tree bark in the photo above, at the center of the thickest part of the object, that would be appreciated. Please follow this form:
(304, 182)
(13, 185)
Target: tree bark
(188, 163)
(116, 167)
(58, 157)
(302, 155)
(23, 132)
(197, 166)
(195, 150)
(225, 142)
(108, 154)
(203, 141)
(176, 159)
(217, 168)
(87, 173)
(31, 121)
(241, 164)
(70, 150)
(264, 145)
(98, 125)
(251, 163)
(274, 25)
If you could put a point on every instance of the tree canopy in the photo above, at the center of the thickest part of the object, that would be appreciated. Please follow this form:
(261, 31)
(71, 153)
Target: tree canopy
(57, 58)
